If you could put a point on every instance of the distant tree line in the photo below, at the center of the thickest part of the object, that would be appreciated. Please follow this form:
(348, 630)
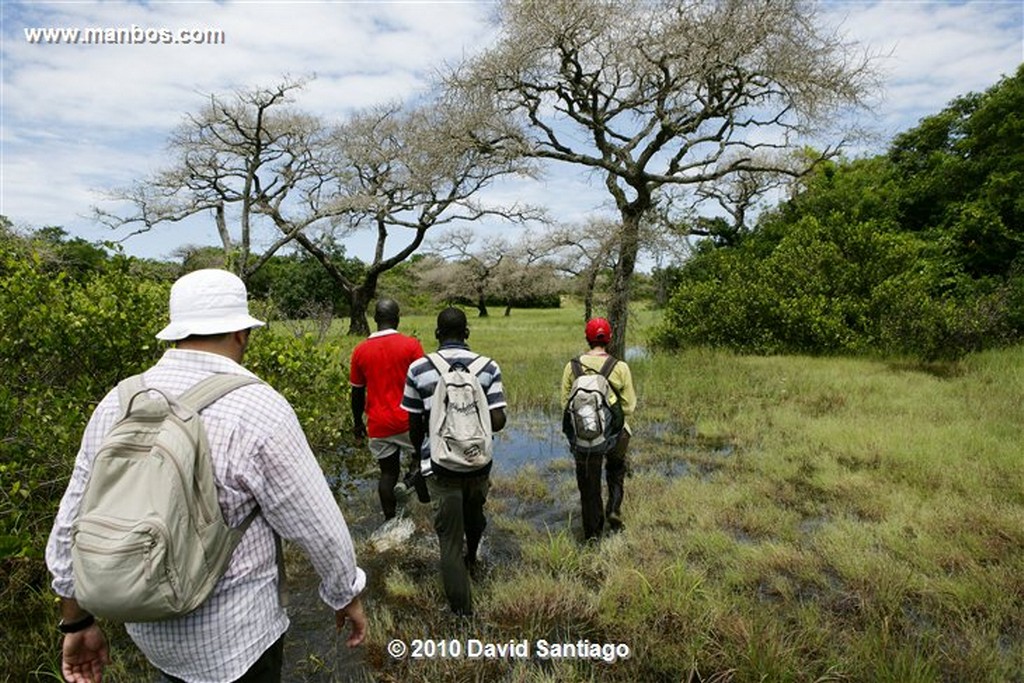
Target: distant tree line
(458, 269)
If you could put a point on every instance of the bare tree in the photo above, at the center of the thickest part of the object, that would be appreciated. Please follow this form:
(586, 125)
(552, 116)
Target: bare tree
(472, 264)
(390, 169)
(669, 92)
(584, 251)
(194, 256)
(527, 272)
(734, 201)
(407, 171)
(467, 267)
(248, 157)
(444, 280)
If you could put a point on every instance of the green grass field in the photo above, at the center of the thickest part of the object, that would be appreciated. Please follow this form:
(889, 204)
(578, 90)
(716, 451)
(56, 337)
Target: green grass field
(788, 519)
(835, 519)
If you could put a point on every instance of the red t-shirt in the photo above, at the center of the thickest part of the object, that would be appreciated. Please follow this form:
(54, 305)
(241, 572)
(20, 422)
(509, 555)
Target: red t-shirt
(379, 364)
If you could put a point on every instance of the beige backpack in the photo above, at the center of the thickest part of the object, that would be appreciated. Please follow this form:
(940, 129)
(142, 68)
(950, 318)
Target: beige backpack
(150, 541)
(460, 420)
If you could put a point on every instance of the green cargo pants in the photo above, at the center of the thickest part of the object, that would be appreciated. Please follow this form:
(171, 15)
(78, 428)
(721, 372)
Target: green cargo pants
(458, 514)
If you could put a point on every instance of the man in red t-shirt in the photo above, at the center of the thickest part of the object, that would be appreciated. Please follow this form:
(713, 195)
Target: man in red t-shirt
(377, 375)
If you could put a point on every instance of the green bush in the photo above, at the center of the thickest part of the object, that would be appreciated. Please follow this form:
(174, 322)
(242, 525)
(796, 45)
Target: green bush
(313, 376)
(67, 340)
(830, 287)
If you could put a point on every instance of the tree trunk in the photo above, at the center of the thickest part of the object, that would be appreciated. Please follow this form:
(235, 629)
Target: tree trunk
(357, 324)
(359, 302)
(588, 293)
(661, 290)
(481, 307)
(508, 309)
(618, 306)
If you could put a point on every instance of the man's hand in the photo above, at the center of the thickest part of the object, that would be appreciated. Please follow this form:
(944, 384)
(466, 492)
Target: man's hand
(358, 400)
(359, 429)
(352, 612)
(84, 655)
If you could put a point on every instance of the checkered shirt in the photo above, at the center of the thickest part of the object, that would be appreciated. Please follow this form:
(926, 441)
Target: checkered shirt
(261, 458)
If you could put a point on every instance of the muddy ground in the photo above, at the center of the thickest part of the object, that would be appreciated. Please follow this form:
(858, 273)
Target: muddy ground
(532, 443)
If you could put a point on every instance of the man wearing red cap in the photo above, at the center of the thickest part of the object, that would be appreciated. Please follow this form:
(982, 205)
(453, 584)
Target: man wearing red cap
(588, 467)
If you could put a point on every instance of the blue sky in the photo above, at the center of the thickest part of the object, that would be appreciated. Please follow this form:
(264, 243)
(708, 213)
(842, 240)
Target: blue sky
(81, 119)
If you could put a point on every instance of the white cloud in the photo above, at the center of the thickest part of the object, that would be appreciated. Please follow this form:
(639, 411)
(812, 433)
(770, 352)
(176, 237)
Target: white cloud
(82, 118)
(934, 51)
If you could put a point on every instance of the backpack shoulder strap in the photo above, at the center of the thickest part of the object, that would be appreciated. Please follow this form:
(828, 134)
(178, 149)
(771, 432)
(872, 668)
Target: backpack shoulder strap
(608, 366)
(478, 364)
(438, 361)
(127, 389)
(606, 370)
(578, 369)
(206, 392)
(212, 388)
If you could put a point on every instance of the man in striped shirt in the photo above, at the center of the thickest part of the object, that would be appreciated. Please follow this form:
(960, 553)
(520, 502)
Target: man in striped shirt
(458, 497)
(261, 459)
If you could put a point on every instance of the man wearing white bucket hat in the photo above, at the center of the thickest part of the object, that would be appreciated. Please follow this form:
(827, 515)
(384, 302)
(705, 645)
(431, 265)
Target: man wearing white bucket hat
(262, 462)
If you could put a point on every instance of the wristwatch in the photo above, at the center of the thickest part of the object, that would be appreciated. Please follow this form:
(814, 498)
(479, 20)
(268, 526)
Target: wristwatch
(76, 626)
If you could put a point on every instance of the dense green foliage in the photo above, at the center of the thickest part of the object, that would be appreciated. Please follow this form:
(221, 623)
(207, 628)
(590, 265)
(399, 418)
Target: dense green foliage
(313, 375)
(66, 342)
(962, 172)
(300, 287)
(75, 321)
(914, 252)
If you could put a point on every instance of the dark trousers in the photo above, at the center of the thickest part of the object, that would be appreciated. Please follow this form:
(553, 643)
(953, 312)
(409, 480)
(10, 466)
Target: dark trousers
(390, 468)
(458, 514)
(267, 668)
(588, 480)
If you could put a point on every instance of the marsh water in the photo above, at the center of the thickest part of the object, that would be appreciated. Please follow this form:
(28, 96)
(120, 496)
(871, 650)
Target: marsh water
(532, 447)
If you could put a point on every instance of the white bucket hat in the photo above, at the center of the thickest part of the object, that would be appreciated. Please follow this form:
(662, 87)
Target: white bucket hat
(208, 301)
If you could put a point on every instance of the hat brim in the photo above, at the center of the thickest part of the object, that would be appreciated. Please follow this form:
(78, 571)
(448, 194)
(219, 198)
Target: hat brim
(181, 330)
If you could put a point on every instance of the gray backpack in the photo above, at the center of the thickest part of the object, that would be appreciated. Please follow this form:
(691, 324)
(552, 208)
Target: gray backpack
(150, 541)
(591, 422)
(460, 419)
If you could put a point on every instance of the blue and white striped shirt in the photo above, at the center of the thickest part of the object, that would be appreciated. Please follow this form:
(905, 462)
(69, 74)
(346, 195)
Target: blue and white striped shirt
(421, 380)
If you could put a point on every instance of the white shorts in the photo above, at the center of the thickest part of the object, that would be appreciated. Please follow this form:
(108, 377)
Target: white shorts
(386, 446)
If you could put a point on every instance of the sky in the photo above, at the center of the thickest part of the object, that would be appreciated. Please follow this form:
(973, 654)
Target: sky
(77, 121)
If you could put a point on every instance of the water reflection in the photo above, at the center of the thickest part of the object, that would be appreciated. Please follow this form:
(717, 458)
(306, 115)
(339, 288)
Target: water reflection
(634, 353)
(528, 439)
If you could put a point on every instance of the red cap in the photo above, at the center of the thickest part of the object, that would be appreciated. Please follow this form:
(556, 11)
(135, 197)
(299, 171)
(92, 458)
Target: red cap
(598, 330)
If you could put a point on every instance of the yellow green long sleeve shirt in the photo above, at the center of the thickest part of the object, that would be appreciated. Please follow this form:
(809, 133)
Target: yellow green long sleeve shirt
(621, 379)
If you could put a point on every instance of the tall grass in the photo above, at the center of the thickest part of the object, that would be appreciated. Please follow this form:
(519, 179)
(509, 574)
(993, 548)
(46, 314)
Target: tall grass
(831, 519)
(788, 519)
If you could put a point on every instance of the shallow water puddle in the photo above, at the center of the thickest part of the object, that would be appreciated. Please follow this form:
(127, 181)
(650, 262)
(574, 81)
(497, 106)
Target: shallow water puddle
(529, 439)
(535, 439)
(534, 483)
